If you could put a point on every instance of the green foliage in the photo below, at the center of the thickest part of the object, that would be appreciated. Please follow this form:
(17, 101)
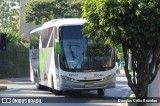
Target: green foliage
(119, 53)
(98, 50)
(14, 61)
(9, 15)
(122, 20)
(135, 24)
(40, 11)
(73, 10)
(13, 37)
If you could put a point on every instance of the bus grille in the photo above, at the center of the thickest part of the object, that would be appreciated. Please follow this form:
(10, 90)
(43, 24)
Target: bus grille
(88, 80)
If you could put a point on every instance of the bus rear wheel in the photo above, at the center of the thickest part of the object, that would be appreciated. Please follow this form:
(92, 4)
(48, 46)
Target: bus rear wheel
(101, 92)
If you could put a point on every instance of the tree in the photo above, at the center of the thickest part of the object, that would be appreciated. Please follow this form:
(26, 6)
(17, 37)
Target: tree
(9, 15)
(9, 20)
(135, 24)
(74, 10)
(40, 11)
(119, 53)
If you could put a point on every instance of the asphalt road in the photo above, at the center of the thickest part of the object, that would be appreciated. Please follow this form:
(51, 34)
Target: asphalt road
(22, 88)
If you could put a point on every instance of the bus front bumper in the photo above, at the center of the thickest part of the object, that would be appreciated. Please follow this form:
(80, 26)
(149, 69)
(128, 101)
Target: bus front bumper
(72, 84)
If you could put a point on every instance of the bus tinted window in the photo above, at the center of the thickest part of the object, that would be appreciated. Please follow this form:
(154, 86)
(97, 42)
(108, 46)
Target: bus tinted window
(80, 53)
(34, 41)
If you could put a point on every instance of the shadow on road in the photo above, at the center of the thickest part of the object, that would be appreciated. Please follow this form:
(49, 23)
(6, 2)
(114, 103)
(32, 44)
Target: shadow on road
(27, 87)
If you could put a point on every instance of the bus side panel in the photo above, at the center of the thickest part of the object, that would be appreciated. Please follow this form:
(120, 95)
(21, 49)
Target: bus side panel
(34, 67)
(54, 72)
(44, 63)
(47, 57)
(31, 67)
(34, 55)
(51, 69)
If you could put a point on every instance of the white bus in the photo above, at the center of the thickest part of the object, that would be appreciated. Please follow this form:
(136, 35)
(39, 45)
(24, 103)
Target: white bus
(62, 58)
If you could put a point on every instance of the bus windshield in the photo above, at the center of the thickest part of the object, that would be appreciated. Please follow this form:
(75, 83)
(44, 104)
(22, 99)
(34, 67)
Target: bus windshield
(81, 54)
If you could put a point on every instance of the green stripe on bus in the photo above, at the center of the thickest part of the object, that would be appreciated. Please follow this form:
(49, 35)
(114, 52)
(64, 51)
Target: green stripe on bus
(43, 58)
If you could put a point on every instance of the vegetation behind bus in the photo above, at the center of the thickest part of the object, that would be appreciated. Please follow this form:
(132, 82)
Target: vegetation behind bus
(9, 15)
(14, 60)
(40, 11)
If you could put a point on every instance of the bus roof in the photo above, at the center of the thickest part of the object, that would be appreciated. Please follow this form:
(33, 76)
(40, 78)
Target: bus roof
(60, 22)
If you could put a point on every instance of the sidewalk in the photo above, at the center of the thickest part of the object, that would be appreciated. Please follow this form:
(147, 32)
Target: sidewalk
(20, 79)
(5, 80)
(122, 71)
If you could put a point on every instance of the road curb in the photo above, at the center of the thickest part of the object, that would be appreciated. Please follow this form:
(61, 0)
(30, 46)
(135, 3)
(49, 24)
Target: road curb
(3, 87)
(2, 81)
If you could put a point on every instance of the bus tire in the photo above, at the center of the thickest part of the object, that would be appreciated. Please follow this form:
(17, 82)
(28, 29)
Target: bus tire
(54, 91)
(57, 92)
(101, 92)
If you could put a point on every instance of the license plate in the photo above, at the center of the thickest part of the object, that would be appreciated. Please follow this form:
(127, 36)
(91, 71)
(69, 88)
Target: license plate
(89, 85)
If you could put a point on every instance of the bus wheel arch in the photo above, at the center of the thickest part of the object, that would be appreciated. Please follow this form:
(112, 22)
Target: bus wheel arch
(54, 91)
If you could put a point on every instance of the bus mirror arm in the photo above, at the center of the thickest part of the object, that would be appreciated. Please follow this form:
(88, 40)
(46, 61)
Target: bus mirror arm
(57, 47)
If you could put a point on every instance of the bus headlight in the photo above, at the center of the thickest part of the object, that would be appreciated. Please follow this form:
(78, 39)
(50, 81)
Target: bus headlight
(68, 79)
(104, 79)
(108, 77)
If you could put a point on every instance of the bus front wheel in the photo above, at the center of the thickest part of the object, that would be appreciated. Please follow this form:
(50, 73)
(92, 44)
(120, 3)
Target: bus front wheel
(56, 92)
(101, 91)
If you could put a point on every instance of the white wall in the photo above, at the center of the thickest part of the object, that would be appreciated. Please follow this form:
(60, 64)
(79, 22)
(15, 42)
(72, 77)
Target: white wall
(154, 89)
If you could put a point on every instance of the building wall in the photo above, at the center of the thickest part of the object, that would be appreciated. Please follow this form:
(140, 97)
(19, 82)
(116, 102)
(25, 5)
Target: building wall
(154, 89)
(24, 27)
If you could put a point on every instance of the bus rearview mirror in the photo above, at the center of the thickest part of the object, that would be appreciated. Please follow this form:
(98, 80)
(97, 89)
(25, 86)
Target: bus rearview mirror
(57, 47)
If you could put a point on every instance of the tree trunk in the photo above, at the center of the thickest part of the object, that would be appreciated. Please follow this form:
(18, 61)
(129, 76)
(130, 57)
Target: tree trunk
(154, 89)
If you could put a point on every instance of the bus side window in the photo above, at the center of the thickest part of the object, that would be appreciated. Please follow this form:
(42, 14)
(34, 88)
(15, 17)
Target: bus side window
(51, 34)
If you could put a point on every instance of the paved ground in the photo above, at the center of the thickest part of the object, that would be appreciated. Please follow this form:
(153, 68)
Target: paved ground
(22, 87)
